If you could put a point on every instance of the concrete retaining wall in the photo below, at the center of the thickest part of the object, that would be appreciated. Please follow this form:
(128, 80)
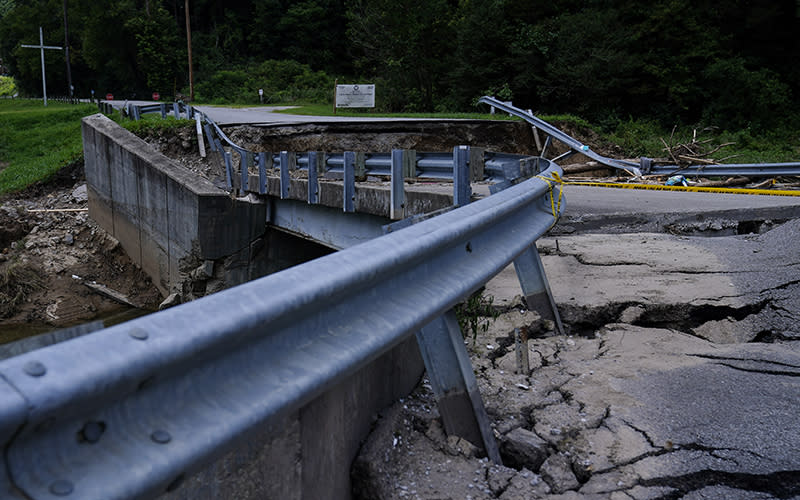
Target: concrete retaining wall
(169, 220)
(308, 456)
(179, 228)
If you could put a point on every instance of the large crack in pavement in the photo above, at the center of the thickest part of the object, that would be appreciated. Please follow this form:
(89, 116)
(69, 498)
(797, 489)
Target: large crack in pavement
(657, 397)
(779, 484)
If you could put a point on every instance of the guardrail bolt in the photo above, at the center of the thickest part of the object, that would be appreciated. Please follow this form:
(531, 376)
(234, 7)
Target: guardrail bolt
(61, 487)
(92, 431)
(34, 369)
(138, 334)
(161, 436)
(469, 247)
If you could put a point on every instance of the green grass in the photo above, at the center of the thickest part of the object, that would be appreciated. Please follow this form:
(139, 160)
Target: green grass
(36, 141)
(152, 124)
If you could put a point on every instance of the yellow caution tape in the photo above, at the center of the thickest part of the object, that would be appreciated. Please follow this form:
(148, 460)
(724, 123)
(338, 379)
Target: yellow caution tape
(552, 181)
(696, 189)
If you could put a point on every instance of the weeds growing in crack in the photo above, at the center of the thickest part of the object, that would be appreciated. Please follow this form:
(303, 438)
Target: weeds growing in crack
(476, 314)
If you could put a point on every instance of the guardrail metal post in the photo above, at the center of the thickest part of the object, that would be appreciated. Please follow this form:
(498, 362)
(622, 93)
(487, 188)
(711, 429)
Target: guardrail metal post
(263, 160)
(349, 181)
(211, 142)
(228, 168)
(547, 142)
(535, 287)
(409, 164)
(199, 130)
(453, 382)
(163, 108)
(361, 166)
(316, 165)
(176, 110)
(461, 185)
(247, 159)
(476, 164)
(397, 203)
(288, 162)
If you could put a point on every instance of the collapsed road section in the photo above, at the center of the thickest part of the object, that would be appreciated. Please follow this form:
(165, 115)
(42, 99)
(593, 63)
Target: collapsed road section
(678, 378)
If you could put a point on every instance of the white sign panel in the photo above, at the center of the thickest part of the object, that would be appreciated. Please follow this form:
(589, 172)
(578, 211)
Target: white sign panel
(355, 96)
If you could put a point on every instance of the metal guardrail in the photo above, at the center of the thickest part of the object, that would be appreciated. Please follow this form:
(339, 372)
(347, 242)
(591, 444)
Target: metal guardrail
(729, 169)
(645, 166)
(126, 412)
(553, 133)
(459, 166)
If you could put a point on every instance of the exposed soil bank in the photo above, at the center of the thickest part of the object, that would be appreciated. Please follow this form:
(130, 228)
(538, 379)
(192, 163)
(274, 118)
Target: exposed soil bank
(49, 251)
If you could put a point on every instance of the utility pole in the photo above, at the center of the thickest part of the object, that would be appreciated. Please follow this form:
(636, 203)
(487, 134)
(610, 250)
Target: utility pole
(41, 48)
(189, 45)
(66, 50)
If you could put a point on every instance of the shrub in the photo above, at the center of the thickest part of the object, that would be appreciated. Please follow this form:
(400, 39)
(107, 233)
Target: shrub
(8, 87)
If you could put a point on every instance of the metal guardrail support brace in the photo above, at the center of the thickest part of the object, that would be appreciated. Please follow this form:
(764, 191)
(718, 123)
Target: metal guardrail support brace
(476, 164)
(228, 168)
(535, 287)
(248, 158)
(288, 162)
(316, 165)
(349, 182)
(264, 162)
(397, 203)
(547, 143)
(453, 382)
(462, 190)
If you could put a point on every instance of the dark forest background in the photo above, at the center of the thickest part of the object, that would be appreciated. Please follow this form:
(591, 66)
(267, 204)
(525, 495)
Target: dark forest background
(734, 64)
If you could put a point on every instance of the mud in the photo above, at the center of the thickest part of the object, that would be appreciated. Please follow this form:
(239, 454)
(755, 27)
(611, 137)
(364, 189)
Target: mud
(47, 232)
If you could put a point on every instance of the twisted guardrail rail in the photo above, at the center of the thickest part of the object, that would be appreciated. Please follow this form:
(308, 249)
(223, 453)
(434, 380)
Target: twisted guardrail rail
(645, 165)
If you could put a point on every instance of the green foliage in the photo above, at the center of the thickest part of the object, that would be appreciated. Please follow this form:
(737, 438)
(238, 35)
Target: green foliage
(36, 141)
(476, 314)
(282, 81)
(406, 44)
(8, 87)
(730, 84)
(734, 64)
(154, 125)
(644, 138)
(156, 54)
(5, 7)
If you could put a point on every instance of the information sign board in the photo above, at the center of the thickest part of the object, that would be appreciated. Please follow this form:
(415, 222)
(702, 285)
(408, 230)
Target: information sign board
(355, 96)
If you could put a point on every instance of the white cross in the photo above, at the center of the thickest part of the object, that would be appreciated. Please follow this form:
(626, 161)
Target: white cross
(41, 48)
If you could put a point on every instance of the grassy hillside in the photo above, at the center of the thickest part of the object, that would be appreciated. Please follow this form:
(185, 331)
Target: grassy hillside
(36, 141)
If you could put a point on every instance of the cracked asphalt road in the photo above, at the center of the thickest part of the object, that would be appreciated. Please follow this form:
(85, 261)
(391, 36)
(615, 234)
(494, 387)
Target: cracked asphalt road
(679, 378)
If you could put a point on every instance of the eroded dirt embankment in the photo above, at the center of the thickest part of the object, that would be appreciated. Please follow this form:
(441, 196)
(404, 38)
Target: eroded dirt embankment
(50, 250)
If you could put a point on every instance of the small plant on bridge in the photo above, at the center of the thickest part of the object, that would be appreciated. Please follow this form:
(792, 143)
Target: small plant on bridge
(476, 314)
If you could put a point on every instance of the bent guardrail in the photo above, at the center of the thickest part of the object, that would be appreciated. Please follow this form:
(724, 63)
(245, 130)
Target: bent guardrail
(552, 132)
(127, 411)
(645, 166)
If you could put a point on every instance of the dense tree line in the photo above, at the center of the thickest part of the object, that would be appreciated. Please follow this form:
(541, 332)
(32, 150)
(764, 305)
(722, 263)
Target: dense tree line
(734, 64)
